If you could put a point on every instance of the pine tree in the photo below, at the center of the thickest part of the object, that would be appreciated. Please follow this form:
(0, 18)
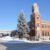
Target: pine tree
(22, 25)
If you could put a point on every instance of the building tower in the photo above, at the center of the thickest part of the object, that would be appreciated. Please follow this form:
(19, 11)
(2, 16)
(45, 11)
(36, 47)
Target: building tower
(35, 21)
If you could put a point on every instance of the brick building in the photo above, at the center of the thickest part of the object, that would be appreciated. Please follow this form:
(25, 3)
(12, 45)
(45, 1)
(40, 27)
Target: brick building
(39, 28)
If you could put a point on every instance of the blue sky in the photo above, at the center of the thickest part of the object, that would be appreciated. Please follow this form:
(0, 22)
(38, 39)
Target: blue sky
(10, 10)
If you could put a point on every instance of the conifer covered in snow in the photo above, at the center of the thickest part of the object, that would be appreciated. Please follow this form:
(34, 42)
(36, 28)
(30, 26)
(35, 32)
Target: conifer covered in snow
(22, 26)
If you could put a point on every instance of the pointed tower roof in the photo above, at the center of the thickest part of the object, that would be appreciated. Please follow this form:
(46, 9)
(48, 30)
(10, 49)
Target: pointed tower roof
(35, 8)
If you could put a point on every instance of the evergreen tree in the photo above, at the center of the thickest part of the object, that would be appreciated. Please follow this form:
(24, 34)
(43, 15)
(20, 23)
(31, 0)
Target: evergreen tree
(22, 25)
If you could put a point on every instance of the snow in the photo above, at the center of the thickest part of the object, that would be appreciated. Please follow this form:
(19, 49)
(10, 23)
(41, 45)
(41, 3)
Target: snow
(7, 38)
(10, 39)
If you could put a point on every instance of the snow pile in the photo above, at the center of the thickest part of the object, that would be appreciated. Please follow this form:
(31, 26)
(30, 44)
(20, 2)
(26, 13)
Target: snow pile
(7, 38)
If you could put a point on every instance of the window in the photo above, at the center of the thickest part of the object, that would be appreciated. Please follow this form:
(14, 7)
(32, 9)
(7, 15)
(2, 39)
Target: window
(37, 17)
(33, 26)
(45, 26)
(48, 33)
(42, 26)
(43, 33)
(38, 25)
(48, 26)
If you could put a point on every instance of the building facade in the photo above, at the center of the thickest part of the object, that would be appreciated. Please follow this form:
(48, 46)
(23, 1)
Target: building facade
(38, 27)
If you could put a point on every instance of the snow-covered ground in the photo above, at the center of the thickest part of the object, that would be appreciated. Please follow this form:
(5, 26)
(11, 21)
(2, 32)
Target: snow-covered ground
(5, 39)
(8, 39)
